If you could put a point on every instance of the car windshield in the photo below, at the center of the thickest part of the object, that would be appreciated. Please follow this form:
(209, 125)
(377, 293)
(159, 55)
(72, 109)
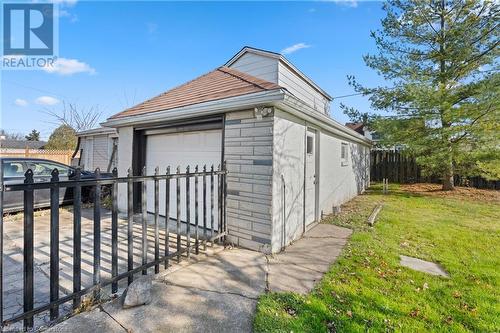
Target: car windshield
(45, 168)
(13, 169)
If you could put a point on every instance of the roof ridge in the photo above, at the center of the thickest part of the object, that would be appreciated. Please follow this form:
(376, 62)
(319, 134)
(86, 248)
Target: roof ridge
(227, 70)
(166, 91)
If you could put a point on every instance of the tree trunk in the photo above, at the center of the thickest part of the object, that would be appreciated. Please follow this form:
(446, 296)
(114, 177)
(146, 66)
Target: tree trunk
(448, 183)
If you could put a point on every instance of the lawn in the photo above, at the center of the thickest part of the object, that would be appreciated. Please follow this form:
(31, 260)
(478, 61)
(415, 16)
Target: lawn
(367, 290)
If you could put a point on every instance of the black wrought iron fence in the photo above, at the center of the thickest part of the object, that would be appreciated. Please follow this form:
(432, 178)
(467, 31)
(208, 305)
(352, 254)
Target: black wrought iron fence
(205, 213)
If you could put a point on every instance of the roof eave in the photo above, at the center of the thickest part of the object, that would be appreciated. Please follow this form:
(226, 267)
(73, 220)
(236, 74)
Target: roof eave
(295, 106)
(100, 130)
(200, 109)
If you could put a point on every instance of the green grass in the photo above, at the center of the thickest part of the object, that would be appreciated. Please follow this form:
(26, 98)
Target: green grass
(367, 290)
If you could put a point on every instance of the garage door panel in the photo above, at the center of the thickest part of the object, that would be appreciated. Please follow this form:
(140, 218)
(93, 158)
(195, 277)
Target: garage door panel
(183, 149)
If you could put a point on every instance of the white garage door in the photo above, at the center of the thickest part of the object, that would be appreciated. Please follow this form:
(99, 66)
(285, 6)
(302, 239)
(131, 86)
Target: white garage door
(183, 149)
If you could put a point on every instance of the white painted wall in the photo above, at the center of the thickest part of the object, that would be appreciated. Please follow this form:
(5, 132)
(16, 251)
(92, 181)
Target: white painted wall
(288, 161)
(337, 184)
(274, 70)
(259, 66)
(96, 152)
(125, 141)
(301, 89)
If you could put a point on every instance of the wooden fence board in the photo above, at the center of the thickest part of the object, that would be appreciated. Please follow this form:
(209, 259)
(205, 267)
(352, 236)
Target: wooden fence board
(402, 168)
(61, 156)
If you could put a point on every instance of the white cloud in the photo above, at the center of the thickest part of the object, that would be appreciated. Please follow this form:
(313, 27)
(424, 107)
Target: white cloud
(295, 48)
(347, 3)
(71, 17)
(46, 100)
(65, 2)
(21, 102)
(65, 66)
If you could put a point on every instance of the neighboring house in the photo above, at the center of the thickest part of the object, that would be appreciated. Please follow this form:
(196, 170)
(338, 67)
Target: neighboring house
(375, 137)
(288, 161)
(365, 131)
(21, 144)
(32, 149)
(98, 149)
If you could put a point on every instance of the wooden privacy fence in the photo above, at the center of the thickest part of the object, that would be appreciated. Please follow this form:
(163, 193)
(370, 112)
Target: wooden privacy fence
(402, 168)
(61, 156)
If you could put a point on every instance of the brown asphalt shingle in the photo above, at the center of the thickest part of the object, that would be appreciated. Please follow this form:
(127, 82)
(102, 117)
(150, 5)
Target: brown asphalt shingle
(221, 83)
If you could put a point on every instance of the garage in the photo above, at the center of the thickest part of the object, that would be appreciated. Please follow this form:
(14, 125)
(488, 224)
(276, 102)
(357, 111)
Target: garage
(166, 147)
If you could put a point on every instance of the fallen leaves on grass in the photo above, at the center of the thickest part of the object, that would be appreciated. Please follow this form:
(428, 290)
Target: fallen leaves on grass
(414, 313)
(459, 192)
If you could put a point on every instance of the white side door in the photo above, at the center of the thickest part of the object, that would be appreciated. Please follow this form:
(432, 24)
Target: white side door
(310, 178)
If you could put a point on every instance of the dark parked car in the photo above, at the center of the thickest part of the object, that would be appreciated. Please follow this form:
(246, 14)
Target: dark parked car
(13, 173)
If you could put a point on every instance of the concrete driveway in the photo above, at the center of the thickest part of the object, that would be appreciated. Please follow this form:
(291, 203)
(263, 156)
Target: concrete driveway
(13, 256)
(219, 293)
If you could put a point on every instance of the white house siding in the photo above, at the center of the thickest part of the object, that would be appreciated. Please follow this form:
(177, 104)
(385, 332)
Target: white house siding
(87, 156)
(125, 143)
(301, 89)
(101, 152)
(248, 152)
(288, 179)
(340, 183)
(337, 184)
(96, 152)
(259, 66)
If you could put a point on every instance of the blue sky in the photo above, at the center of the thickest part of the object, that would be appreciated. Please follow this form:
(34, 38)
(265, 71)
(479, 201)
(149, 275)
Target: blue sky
(116, 54)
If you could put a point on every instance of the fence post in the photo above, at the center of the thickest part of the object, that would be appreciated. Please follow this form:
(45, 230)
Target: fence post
(188, 214)
(1, 244)
(205, 207)
(77, 238)
(97, 234)
(157, 219)
(212, 201)
(225, 199)
(178, 215)
(144, 211)
(219, 200)
(28, 250)
(130, 224)
(196, 223)
(54, 243)
(114, 232)
(167, 217)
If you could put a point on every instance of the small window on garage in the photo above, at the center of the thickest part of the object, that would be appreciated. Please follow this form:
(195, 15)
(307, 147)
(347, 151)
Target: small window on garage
(344, 153)
(309, 145)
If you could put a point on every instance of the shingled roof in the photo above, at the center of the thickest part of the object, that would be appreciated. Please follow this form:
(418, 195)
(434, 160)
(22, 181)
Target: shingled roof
(221, 83)
(22, 144)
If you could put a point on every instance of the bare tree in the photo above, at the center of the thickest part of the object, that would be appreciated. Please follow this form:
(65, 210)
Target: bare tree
(11, 135)
(78, 118)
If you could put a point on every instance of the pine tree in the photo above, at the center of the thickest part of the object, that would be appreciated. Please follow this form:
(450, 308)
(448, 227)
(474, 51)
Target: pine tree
(440, 62)
(33, 136)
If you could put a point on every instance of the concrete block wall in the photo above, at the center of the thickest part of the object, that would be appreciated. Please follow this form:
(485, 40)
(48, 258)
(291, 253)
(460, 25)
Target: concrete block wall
(248, 151)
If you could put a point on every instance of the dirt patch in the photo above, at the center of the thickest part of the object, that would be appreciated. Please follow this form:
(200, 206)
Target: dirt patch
(459, 192)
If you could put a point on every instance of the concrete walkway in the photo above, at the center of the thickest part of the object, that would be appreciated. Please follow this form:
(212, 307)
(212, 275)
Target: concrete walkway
(219, 294)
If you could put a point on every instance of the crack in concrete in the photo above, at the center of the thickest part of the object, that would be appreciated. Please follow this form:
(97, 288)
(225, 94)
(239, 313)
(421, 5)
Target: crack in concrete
(211, 291)
(268, 269)
(113, 318)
